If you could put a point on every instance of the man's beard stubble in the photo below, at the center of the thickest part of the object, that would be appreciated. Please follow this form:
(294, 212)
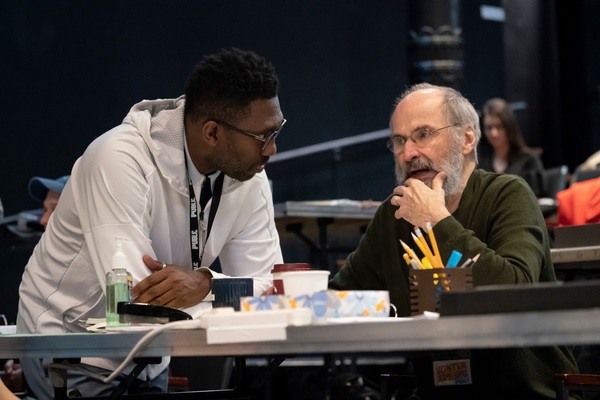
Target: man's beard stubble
(231, 164)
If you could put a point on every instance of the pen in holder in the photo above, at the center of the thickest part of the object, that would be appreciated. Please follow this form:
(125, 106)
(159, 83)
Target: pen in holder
(427, 284)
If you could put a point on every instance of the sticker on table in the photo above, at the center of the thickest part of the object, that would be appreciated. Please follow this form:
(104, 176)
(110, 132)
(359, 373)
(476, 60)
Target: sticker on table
(452, 372)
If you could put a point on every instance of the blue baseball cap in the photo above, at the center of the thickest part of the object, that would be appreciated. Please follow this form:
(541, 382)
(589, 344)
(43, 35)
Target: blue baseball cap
(39, 187)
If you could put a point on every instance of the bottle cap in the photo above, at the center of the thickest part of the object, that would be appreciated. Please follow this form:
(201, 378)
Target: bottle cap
(119, 260)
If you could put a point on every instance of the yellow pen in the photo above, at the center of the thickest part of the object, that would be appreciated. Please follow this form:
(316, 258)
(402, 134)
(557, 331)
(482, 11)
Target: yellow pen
(412, 253)
(434, 246)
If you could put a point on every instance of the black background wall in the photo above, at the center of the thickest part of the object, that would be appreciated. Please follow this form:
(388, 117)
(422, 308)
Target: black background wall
(70, 70)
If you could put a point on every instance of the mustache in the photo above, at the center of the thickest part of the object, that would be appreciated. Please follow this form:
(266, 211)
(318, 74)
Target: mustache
(418, 163)
(415, 163)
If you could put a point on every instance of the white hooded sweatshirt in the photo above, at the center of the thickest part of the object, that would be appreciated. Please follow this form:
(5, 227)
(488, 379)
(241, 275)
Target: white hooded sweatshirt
(131, 183)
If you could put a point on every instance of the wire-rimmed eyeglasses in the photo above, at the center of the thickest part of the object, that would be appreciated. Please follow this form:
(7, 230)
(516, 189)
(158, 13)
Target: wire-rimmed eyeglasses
(266, 139)
(421, 138)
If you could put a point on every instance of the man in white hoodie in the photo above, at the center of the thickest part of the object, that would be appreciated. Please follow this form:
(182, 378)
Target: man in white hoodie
(140, 182)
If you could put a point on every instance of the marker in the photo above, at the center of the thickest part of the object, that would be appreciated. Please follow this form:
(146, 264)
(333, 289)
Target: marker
(434, 246)
(454, 259)
(426, 263)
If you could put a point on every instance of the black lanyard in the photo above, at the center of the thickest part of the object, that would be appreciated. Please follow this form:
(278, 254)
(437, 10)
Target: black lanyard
(195, 225)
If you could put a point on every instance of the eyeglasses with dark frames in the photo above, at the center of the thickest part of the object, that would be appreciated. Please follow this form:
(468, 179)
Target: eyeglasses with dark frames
(420, 137)
(265, 139)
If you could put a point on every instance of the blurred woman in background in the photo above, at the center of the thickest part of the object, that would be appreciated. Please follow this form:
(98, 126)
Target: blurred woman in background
(505, 150)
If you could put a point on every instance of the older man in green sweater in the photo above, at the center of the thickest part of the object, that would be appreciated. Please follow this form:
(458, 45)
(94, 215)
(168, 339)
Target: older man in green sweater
(434, 137)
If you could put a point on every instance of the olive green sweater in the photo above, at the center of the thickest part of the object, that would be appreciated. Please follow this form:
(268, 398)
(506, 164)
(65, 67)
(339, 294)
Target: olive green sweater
(499, 218)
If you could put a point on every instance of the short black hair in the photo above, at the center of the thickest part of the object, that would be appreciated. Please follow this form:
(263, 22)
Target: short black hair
(223, 84)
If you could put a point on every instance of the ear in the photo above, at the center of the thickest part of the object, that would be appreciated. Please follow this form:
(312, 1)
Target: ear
(469, 143)
(209, 133)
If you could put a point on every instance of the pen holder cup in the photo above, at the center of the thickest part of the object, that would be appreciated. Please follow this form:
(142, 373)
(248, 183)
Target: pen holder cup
(426, 285)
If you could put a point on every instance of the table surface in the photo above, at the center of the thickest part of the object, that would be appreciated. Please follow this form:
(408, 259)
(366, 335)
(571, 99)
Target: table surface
(341, 208)
(575, 254)
(480, 331)
(571, 263)
(379, 336)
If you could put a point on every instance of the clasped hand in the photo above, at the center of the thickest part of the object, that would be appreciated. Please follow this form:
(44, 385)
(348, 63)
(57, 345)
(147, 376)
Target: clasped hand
(172, 286)
(419, 204)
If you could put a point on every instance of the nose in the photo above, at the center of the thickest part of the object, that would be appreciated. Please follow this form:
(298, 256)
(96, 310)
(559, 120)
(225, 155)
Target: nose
(492, 131)
(270, 149)
(410, 151)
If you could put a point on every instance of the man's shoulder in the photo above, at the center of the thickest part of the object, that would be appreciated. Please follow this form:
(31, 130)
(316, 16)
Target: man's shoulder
(154, 107)
(121, 140)
(493, 181)
(493, 178)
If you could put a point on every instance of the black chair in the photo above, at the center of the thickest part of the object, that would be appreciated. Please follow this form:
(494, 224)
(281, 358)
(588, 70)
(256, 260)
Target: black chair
(555, 180)
(579, 175)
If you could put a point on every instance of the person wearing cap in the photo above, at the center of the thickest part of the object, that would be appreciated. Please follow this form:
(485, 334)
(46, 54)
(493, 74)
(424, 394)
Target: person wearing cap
(48, 192)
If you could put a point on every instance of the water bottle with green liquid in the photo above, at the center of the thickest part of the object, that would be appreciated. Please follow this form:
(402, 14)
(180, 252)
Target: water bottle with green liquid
(118, 286)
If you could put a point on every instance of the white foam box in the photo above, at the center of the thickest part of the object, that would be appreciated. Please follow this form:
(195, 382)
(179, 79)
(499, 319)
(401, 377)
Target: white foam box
(227, 317)
(224, 325)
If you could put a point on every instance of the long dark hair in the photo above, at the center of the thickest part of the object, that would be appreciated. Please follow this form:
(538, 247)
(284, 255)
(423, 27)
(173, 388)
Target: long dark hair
(500, 108)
